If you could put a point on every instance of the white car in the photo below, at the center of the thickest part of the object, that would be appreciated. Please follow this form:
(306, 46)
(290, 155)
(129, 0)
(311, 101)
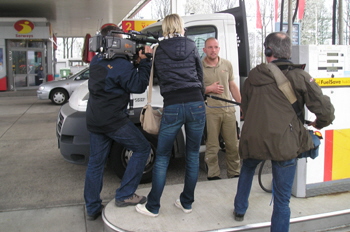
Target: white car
(60, 91)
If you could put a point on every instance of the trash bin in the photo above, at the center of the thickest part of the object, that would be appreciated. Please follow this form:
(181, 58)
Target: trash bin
(64, 72)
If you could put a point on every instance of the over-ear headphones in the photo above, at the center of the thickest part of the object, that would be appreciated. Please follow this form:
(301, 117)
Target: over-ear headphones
(268, 52)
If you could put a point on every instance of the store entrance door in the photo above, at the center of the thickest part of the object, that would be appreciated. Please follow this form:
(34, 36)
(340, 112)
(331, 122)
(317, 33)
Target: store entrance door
(27, 68)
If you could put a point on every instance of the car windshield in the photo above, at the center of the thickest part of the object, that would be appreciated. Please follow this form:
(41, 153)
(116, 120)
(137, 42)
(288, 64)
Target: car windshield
(82, 74)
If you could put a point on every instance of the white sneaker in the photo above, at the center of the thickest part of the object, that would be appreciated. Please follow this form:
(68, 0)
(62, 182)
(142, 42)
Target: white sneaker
(141, 208)
(178, 205)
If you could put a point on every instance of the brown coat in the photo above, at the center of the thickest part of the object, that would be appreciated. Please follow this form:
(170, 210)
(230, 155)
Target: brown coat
(272, 130)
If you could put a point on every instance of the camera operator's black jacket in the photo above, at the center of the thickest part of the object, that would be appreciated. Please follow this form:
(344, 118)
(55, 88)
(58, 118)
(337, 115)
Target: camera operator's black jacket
(110, 85)
(179, 70)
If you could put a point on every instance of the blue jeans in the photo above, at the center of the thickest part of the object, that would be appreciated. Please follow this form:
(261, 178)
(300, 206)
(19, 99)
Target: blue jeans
(283, 176)
(192, 115)
(131, 138)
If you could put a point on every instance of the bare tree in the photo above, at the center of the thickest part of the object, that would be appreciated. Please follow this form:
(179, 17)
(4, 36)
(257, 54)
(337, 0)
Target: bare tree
(316, 24)
(156, 9)
(208, 6)
(324, 21)
(267, 17)
(347, 21)
(66, 47)
(230, 3)
(71, 47)
(161, 8)
(219, 5)
(198, 7)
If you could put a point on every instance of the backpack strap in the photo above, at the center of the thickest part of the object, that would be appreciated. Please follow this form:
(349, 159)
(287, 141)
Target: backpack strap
(283, 83)
(286, 87)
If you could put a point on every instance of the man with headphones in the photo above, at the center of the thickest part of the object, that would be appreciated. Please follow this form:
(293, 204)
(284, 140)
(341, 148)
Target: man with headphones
(272, 129)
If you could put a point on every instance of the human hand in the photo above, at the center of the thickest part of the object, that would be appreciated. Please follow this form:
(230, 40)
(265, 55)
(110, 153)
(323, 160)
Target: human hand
(216, 88)
(146, 51)
(314, 125)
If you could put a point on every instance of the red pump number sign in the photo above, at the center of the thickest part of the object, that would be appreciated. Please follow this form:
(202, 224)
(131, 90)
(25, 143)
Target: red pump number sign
(136, 25)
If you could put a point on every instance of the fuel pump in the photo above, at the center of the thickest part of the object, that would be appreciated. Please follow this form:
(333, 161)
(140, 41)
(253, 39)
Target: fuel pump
(329, 173)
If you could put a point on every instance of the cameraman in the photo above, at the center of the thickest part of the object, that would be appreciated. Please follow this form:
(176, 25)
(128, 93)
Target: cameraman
(272, 129)
(110, 84)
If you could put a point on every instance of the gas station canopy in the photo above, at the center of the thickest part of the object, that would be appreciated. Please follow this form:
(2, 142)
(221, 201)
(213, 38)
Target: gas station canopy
(73, 18)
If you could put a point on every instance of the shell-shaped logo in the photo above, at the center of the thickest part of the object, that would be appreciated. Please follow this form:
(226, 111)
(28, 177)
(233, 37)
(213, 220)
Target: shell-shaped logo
(24, 26)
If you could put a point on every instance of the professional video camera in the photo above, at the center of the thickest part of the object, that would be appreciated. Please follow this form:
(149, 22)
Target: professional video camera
(112, 46)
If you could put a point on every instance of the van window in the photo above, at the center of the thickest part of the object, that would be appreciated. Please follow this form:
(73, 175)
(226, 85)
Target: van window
(197, 33)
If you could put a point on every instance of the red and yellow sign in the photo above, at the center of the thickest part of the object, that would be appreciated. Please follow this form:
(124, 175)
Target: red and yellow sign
(337, 162)
(136, 25)
(24, 26)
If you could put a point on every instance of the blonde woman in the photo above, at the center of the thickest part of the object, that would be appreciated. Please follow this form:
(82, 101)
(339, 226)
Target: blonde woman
(179, 70)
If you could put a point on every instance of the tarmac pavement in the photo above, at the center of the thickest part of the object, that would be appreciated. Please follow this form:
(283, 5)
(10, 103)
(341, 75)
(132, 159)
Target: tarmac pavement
(39, 189)
(42, 192)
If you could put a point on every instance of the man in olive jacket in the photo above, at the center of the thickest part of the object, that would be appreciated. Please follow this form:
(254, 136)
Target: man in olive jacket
(272, 129)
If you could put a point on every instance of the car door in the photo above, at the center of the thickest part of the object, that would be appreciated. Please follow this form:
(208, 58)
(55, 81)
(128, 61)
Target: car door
(77, 80)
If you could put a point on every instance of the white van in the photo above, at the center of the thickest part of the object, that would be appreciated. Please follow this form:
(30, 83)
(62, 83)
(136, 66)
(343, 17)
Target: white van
(72, 134)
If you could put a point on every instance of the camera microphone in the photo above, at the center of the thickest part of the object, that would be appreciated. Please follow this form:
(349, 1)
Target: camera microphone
(134, 32)
(146, 40)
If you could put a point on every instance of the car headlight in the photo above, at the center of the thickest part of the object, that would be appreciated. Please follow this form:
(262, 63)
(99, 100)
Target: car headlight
(41, 87)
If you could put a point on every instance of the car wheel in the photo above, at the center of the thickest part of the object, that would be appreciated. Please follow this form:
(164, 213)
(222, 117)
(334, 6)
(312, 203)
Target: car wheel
(59, 96)
(120, 156)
